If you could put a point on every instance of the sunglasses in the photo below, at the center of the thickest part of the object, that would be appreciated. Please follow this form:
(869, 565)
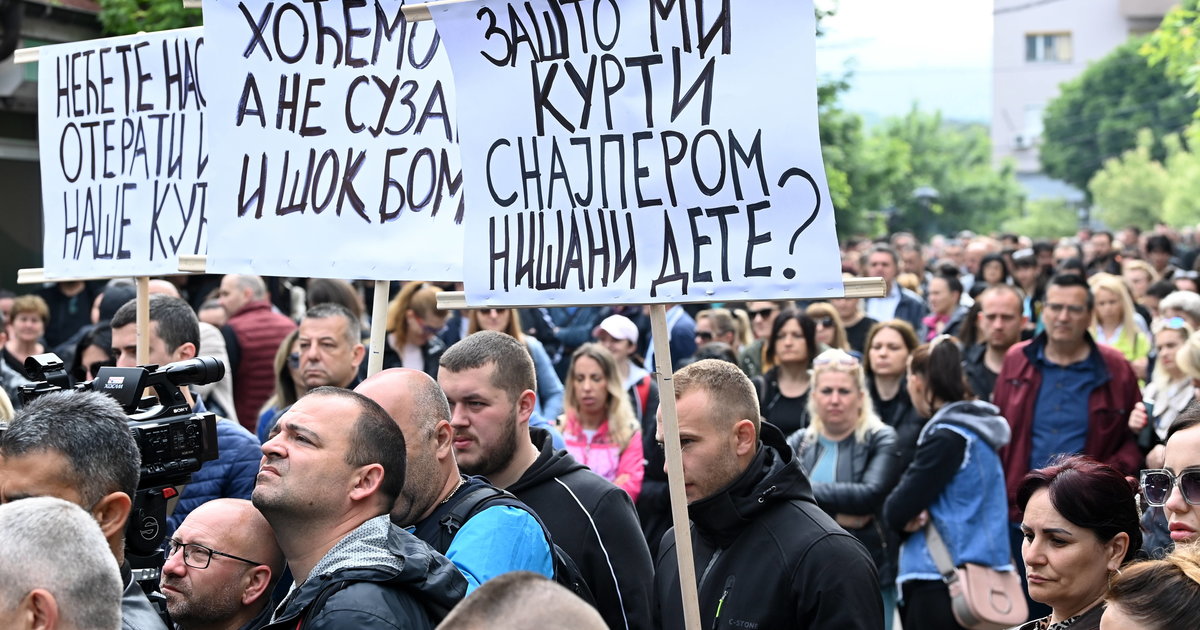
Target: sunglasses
(763, 313)
(293, 360)
(845, 361)
(825, 322)
(704, 335)
(1175, 323)
(1157, 485)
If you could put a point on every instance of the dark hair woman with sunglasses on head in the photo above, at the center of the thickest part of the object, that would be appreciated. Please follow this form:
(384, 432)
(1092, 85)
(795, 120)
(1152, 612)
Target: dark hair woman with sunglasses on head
(783, 389)
(955, 481)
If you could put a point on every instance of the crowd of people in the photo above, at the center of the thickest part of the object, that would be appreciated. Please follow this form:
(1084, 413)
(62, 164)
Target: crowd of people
(1023, 406)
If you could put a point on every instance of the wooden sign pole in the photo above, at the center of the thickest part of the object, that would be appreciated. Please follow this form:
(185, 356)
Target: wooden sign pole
(674, 452)
(143, 320)
(378, 327)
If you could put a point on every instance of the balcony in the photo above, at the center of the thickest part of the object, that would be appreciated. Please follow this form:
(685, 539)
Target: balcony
(1146, 9)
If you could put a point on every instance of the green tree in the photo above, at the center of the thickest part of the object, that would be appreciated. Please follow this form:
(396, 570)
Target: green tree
(1044, 218)
(1131, 189)
(1097, 115)
(125, 17)
(1175, 47)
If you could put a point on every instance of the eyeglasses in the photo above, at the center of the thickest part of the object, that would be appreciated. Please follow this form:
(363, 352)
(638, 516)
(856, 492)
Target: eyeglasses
(491, 311)
(763, 313)
(1073, 309)
(294, 360)
(1158, 483)
(1175, 323)
(198, 556)
(842, 360)
(704, 335)
(825, 322)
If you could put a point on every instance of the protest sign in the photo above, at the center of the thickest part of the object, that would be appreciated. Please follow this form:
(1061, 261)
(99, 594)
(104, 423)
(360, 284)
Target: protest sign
(336, 130)
(640, 151)
(124, 158)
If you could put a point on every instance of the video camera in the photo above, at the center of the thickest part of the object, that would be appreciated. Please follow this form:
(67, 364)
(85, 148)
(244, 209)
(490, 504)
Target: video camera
(173, 441)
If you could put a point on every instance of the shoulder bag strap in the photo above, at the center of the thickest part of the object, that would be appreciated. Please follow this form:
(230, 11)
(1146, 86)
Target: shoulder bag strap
(939, 552)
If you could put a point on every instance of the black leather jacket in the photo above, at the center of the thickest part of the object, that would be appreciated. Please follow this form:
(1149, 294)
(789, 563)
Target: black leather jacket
(866, 472)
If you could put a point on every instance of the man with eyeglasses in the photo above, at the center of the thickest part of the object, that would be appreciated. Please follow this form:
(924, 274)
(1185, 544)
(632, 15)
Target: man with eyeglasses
(1001, 320)
(221, 566)
(77, 446)
(1061, 392)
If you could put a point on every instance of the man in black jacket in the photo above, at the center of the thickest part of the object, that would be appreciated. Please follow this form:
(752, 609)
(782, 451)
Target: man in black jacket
(767, 557)
(330, 474)
(489, 380)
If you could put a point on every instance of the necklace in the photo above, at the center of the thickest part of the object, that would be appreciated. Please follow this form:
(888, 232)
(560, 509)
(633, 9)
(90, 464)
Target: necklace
(453, 492)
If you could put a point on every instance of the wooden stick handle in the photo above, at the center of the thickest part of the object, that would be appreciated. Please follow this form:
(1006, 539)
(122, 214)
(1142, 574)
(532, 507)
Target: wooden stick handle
(674, 452)
(378, 327)
(143, 320)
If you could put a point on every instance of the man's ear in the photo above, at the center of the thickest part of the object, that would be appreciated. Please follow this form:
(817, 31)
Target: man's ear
(184, 352)
(112, 512)
(38, 610)
(258, 581)
(367, 481)
(444, 434)
(745, 437)
(356, 357)
(525, 405)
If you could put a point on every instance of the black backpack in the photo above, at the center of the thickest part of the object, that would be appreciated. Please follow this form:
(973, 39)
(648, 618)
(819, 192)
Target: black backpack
(566, 572)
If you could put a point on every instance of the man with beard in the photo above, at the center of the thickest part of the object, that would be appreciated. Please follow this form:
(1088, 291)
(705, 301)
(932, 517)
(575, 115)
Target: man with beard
(221, 565)
(330, 474)
(489, 381)
(502, 536)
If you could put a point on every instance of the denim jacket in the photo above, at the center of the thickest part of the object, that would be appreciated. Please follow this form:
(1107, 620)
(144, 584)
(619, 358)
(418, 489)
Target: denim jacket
(971, 513)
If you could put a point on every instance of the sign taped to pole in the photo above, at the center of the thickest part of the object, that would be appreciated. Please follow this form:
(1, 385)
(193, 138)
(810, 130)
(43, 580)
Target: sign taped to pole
(640, 152)
(124, 158)
(336, 128)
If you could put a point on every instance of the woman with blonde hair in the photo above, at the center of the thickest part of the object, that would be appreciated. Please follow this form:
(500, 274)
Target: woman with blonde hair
(505, 320)
(289, 387)
(1114, 322)
(1139, 275)
(599, 426)
(1156, 594)
(852, 460)
(830, 331)
(413, 324)
(1170, 388)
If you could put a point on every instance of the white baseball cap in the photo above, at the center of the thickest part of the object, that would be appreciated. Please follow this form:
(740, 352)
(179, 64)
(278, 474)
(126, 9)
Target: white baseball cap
(619, 327)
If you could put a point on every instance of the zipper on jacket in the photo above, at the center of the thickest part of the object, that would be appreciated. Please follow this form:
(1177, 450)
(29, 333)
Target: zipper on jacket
(721, 602)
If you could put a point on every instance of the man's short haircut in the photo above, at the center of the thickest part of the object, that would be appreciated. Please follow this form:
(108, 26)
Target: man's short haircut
(512, 366)
(885, 249)
(375, 439)
(177, 322)
(55, 545)
(353, 334)
(1159, 243)
(1004, 288)
(1068, 280)
(522, 599)
(731, 395)
(89, 430)
(258, 288)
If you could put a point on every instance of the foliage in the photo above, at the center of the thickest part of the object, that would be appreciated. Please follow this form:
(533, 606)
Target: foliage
(1130, 189)
(1175, 45)
(1044, 219)
(1098, 114)
(125, 17)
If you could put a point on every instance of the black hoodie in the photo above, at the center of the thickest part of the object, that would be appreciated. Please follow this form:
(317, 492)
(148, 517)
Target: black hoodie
(768, 558)
(595, 523)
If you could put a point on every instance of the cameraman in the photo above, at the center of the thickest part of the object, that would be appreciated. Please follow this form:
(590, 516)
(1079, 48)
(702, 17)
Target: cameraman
(78, 447)
(175, 336)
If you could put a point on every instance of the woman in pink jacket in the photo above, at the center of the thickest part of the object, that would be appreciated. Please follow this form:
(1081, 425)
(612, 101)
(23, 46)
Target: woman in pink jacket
(599, 425)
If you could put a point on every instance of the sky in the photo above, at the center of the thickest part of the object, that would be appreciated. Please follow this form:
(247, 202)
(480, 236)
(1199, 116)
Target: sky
(937, 53)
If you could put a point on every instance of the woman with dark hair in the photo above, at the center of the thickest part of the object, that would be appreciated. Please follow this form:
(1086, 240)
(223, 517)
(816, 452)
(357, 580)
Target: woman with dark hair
(783, 389)
(993, 269)
(954, 483)
(1156, 594)
(889, 345)
(1080, 522)
(1176, 486)
(945, 304)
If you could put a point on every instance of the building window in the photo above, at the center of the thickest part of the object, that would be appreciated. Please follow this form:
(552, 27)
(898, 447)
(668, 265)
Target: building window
(1048, 47)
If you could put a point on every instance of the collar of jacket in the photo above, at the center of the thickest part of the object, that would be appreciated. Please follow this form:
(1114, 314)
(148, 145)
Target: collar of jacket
(773, 476)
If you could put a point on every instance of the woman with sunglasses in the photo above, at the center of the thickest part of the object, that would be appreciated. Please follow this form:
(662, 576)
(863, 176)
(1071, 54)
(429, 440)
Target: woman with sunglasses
(289, 386)
(413, 323)
(1176, 486)
(852, 460)
(505, 320)
(783, 389)
(955, 482)
(830, 332)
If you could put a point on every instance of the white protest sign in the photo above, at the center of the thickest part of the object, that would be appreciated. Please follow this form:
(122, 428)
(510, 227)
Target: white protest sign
(640, 151)
(336, 131)
(124, 157)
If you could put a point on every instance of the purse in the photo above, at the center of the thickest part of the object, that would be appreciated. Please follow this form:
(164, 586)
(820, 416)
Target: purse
(981, 597)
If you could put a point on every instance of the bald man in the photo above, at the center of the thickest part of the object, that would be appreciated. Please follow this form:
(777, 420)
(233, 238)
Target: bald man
(223, 562)
(519, 600)
(490, 532)
(253, 333)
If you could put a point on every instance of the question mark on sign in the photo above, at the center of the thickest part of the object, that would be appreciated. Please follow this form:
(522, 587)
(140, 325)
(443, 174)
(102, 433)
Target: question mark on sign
(790, 273)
